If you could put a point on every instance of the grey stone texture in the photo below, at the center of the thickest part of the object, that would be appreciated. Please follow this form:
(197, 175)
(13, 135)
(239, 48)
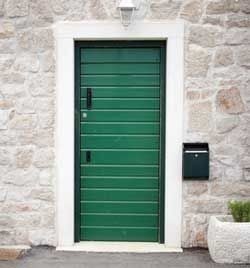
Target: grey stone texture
(217, 107)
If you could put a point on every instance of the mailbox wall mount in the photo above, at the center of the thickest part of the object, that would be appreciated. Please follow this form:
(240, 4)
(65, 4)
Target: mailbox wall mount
(195, 161)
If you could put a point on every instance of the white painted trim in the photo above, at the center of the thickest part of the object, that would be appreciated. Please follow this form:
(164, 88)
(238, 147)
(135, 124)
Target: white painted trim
(134, 247)
(66, 33)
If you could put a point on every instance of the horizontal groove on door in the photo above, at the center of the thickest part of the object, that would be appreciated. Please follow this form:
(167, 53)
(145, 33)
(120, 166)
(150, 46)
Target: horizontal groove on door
(121, 157)
(119, 207)
(131, 183)
(99, 103)
(112, 142)
(119, 234)
(119, 195)
(120, 171)
(120, 92)
(120, 68)
(124, 128)
(132, 220)
(122, 55)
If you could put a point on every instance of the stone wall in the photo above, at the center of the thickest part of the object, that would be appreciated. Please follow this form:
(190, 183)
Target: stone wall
(217, 107)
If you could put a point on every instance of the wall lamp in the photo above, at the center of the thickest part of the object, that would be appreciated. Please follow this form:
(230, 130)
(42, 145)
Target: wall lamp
(127, 9)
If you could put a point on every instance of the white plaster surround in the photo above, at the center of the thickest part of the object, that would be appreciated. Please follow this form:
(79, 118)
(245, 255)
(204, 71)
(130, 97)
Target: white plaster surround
(66, 33)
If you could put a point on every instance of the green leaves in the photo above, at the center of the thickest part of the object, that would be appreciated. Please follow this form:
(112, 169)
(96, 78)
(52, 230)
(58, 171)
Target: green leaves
(240, 210)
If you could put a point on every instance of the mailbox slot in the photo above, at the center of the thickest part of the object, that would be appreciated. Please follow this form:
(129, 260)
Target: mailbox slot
(195, 161)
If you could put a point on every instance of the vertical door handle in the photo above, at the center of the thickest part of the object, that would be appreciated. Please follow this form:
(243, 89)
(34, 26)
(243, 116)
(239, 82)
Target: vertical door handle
(89, 98)
(88, 156)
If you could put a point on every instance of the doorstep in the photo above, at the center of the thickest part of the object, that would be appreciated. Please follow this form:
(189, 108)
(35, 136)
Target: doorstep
(119, 247)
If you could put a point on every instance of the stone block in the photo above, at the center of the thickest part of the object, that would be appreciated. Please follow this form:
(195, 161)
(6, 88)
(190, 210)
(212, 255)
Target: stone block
(8, 46)
(44, 194)
(23, 121)
(44, 158)
(15, 8)
(226, 124)
(205, 36)
(8, 253)
(41, 12)
(247, 174)
(159, 9)
(191, 11)
(27, 63)
(237, 36)
(6, 61)
(197, 61)
(243, 56)
(245, 6)
(222, 6)
(47, 61)
(2, 7)
(7, 29)
(38, 40)
(236, 20)
(3, 192)
(22, 177)
(229, 101)
(42, 86)
(223, 57)
(230, 190)
(200, 117)
(24, 157)
(25, 105)
(46, 177)
(4, 116)
(195, 188)
(216, 20)
(37, 237)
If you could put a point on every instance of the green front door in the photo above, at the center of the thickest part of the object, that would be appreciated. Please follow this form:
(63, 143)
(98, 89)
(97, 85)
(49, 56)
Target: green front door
(119, 138)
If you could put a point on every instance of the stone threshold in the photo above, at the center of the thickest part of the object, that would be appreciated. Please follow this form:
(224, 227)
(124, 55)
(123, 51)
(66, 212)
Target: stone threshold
(119, 247)
(13, 252)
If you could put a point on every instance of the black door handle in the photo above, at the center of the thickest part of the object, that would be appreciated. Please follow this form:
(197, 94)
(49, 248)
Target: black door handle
(89, 98)
(88, 156)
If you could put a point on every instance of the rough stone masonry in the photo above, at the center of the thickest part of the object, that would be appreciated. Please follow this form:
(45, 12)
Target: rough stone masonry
(217, 107)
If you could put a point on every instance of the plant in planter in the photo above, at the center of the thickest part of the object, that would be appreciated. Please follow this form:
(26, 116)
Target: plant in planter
(229, 236)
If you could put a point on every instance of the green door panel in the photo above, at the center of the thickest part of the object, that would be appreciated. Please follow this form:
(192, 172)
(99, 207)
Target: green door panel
(120, 80)
(132, 55)
(120, 68)
(129, 220)
(126, 157)
(119, 194)
(122, 92)
(121, 116)
(118, 141)
(122, 103)
(122, 170)
(118, 128)
(119, 234)
(143, 207)
(120, 182)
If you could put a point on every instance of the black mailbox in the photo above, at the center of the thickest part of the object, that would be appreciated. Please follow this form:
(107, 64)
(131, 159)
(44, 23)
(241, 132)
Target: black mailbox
(195, 161)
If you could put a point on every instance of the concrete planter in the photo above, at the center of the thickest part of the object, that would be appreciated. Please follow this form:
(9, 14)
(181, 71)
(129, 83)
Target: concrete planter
(228, 241)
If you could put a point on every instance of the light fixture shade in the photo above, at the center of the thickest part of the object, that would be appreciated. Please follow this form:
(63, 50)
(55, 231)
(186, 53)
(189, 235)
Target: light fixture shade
(126, 4)
(126, 8)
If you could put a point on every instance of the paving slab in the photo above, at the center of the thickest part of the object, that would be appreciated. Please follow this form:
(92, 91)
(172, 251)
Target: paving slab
(46, 257)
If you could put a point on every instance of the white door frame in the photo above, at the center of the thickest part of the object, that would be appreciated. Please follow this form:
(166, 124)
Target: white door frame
(66, 33)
